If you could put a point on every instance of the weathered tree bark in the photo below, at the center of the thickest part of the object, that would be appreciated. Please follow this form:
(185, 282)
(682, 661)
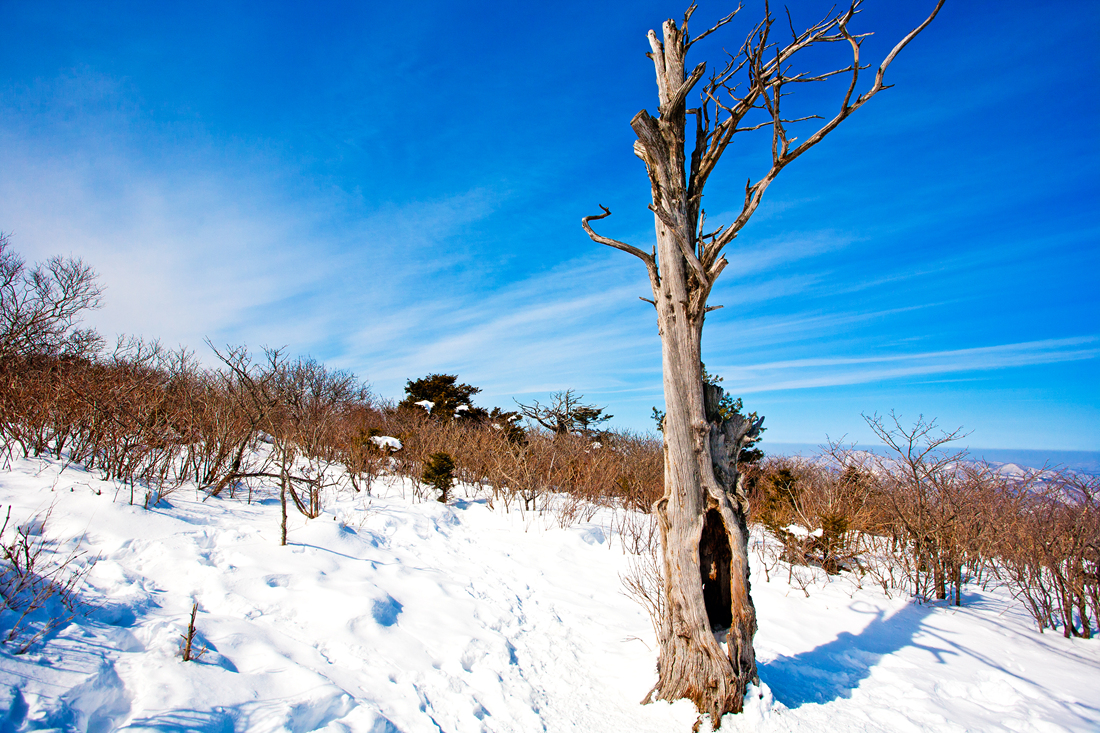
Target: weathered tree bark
(702, 515)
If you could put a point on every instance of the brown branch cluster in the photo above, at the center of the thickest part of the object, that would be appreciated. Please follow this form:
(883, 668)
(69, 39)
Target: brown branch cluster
(151, 419)
(565, 413)
(568, 474)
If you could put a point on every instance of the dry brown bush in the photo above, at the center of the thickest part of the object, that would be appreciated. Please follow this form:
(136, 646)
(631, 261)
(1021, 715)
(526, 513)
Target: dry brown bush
(1048, 548)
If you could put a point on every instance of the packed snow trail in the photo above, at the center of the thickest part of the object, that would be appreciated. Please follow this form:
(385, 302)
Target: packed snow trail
(390, 615)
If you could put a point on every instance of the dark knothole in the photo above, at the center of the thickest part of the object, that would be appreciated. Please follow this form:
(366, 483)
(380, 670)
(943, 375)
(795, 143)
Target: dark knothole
(715, 558)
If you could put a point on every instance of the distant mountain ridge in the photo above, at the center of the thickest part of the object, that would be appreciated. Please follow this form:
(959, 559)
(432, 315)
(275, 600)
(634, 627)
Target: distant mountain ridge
(1082, 461)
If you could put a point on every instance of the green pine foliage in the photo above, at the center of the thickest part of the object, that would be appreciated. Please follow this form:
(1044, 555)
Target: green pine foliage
(509, 422)
(727, 408)
(451, 398)
(777, 506)
(659, 418)
(439, 473)
(730, 407)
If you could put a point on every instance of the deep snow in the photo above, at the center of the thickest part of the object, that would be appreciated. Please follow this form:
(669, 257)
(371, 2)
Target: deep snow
(386, 614)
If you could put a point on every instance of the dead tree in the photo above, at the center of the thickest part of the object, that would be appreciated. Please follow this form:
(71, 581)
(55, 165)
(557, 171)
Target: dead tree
(565, 414)
(702, 513)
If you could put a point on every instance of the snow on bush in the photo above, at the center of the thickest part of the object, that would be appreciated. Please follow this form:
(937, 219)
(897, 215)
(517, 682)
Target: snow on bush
(385, 441)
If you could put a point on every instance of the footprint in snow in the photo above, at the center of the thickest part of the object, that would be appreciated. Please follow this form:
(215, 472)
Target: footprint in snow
(385, 611)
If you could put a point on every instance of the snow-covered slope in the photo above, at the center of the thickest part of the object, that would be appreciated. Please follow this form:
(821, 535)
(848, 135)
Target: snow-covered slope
(385, 615)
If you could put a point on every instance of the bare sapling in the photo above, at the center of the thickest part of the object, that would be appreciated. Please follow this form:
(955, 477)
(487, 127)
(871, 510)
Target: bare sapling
(297, 408)
(188, 653)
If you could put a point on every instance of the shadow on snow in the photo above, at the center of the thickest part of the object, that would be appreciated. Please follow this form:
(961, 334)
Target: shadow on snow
(831, 671)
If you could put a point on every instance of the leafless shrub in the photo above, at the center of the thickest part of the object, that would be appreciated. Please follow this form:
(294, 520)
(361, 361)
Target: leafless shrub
(562, 472)
(818, 512)
(300, 407)
(39, 589)
(925, 520)
(643, 582)
(40, 307)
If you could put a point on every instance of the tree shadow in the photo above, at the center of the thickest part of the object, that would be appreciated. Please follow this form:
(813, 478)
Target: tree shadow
(185, 721)
(831, 671)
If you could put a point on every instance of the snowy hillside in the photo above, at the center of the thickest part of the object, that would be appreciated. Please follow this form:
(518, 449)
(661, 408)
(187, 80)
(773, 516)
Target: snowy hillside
(386, 614)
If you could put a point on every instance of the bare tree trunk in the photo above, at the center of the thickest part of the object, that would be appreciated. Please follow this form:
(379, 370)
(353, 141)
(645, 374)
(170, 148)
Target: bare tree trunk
(702, 515)
(283, 480)
(938, 576)
(703, 526)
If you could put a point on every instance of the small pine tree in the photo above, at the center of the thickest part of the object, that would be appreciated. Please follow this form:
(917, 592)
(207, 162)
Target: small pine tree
(439, 473)
(830, 546)
(777, 505)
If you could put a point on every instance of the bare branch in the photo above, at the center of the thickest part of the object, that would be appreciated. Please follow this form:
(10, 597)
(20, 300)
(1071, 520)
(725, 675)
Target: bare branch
(765, 124)
(649, 259)
(658, 56)
(710, 30)
(902, 44)
(855, 65)
(770, 78)
(608, 241)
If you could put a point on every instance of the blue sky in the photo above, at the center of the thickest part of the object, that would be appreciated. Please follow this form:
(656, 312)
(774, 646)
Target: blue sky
(397, 191)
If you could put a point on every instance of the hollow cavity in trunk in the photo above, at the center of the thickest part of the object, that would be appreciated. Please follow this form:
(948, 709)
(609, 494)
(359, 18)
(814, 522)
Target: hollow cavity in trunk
(715, 557)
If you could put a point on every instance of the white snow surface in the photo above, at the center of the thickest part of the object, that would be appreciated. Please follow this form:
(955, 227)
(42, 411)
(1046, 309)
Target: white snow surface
(390, 615)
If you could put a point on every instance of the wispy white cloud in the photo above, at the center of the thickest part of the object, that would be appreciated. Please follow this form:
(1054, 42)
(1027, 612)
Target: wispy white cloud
(748, 334)
(796, 374)
(391, 291)
(767, 255)
(198, 246)
(578, 325)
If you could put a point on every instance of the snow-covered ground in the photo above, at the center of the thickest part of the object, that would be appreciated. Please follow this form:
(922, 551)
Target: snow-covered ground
(385, 614)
